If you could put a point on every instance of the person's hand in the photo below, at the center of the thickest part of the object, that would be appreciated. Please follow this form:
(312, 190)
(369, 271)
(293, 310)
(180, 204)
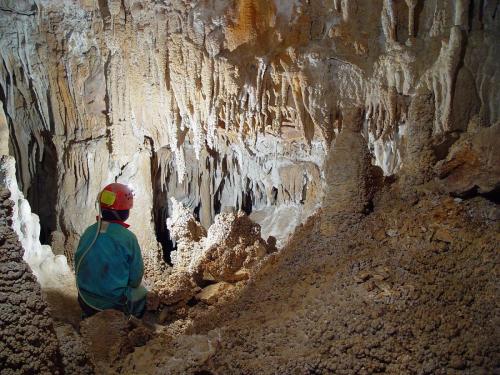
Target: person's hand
(152, 301)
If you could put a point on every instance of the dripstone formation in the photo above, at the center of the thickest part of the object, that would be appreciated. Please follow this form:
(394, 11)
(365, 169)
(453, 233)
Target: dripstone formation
(360, 136)
(28, 342)
(238, 104)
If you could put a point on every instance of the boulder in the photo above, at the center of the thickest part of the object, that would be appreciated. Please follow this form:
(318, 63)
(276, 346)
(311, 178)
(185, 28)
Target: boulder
(212, 293)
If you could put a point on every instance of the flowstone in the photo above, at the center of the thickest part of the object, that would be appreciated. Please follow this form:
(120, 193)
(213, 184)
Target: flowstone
(231, 104)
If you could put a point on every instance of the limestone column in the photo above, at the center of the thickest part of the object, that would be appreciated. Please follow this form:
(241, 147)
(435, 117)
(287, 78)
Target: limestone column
(348, 172)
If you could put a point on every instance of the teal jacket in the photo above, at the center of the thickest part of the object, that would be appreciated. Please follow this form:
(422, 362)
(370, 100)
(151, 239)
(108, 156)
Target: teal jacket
(111, 268)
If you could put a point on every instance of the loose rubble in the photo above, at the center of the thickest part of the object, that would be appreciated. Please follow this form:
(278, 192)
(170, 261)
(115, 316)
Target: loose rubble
(424, 300)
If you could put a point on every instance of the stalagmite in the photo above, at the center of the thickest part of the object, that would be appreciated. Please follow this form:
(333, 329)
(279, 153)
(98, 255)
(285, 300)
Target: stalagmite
(29, 343)
(290, 161)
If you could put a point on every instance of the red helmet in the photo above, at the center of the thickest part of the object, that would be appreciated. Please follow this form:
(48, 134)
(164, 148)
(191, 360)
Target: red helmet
(116, 197)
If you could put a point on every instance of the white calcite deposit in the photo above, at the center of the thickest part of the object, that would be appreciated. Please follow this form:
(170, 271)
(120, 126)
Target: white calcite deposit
(51, 271)
(228, 105)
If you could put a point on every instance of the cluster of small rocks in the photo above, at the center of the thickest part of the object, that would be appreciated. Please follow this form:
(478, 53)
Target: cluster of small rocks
(406, 289)
(207, 264)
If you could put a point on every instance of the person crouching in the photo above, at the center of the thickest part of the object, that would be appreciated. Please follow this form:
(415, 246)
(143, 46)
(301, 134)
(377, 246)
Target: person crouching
(109, 266)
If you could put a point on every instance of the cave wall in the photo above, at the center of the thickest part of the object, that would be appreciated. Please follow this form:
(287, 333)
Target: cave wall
(236, 104)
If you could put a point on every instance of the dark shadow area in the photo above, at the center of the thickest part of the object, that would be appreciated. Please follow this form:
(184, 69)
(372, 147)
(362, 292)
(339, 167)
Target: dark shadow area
(196, 212)
(401, 11)
(217, 197)
(493, 196)
(192, 302)
(160, 209)
(163, 234)
(442, 147)
(247, 198)
(41, 188)
(42, 192)
(418, 12)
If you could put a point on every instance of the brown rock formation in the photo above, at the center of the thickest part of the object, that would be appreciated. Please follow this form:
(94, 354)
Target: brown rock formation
(233, 245)
(109, 336)
(472, 163)
(407, 289)
(229, 252)
(28, 342)
(349, 171)
(177, 288)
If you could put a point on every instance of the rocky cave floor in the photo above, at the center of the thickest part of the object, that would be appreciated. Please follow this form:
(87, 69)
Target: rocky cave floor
(410, 288)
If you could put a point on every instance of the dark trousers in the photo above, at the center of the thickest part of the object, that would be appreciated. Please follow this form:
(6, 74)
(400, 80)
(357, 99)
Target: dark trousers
(88, 311)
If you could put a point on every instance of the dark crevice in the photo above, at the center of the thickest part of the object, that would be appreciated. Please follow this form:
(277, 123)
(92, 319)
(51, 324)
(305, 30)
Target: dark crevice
(14, 149)
(217, 198)
(41, 188)
(418, 11)
(160, 208)
(52, 126)
(247, 199)
(369, 207)
(274, 196)
(304, 193)
(471, 15)
(105, 13)
(246, 204)
(441, 148)
(196, 212)
(493, 196)
(42, 192)
(163, 234)
(107, 104)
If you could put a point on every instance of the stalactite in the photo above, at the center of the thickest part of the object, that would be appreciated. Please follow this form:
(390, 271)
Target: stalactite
(389, 21)
(412, 4)
(245, 80)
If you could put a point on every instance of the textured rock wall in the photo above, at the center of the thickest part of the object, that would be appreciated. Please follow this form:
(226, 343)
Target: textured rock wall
(29, 344)
(237, 103)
